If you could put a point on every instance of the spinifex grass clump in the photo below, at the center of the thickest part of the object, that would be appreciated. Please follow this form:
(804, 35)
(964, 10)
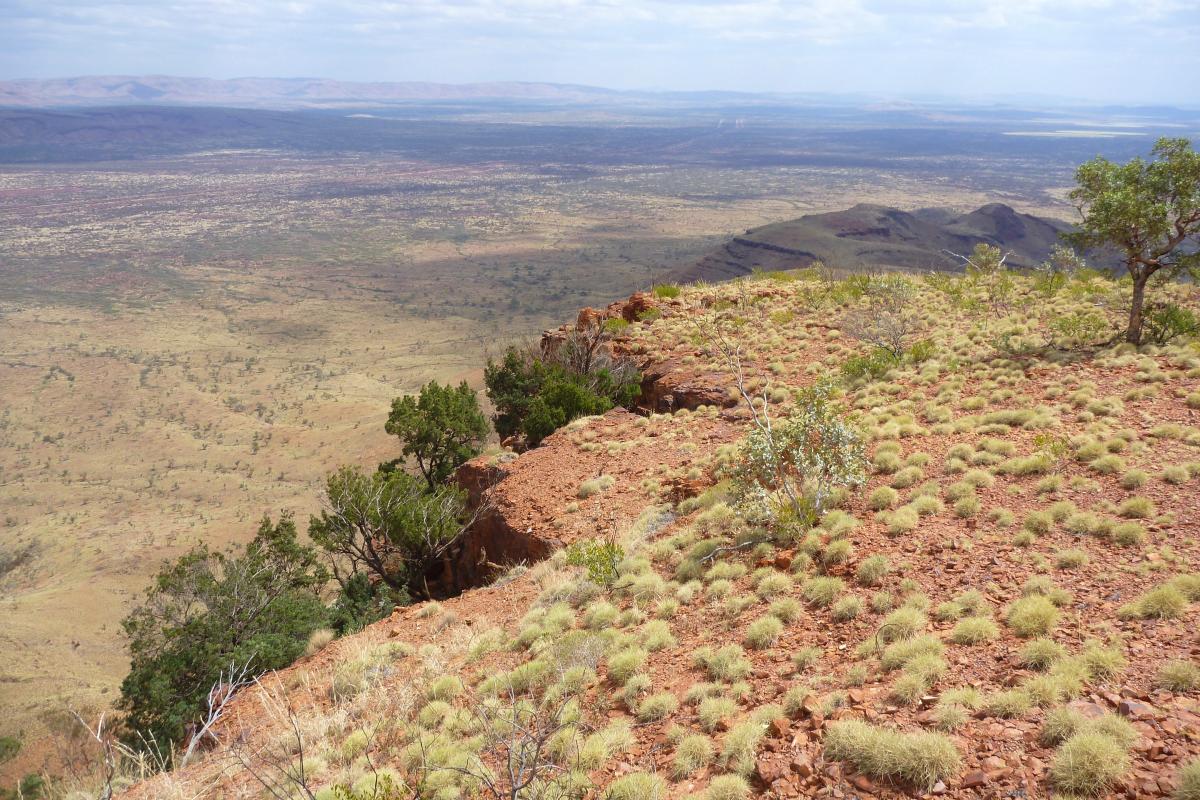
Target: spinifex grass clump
(916, 759)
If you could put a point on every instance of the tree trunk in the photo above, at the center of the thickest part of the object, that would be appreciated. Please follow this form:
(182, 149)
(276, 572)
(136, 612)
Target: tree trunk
(1133, 333)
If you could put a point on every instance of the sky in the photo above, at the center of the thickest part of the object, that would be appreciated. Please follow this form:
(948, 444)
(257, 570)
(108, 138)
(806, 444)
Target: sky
(1145, 51)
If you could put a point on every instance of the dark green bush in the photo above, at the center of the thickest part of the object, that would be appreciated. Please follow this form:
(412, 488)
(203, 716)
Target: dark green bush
(440, 428)
(388, 525)
(361, 602)
(210, 612)
(535, 395)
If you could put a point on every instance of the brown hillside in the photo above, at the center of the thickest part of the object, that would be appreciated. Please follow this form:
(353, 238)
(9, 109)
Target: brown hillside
(875, 236)
(1018, 570)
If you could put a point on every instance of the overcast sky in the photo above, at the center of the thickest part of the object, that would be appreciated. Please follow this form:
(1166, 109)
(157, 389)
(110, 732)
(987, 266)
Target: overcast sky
(1109, 50)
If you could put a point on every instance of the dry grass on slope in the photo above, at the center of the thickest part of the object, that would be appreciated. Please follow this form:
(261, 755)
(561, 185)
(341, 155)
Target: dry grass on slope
(988, 614)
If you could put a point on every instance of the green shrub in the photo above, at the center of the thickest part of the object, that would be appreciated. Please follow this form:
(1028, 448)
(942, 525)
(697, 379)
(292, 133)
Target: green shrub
(599, 557)
(692, 754)
(535, 396)
(921, 351)
(763, 632)
(727, 787)
(1178, 676)
(821, 591)
(1162, 602)
(1167, 321)
(258, 605)
(741, 746)
(917, 759)
(1189, 781)
(873, 365)
(637, 786)
(974, 630)
(805, 458)
(1033, 615)
(1041, 653)
(1088, 763)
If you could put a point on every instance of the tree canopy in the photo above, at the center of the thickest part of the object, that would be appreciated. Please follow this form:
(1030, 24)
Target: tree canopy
(1148, 210)
(535, 395)
(441, 428)
(389, 525)
(212, 611)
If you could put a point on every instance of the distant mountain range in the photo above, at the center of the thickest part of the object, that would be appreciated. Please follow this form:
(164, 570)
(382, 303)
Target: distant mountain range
(879, 236)
(298, 93)
(271, 92)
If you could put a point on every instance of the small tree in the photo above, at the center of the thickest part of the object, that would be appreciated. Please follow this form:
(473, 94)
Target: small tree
(986, 268)
(1149, 210)
(210, 611)
(889, 320)
(1058, 269)
(441, 428)
(798, 461)
(388, 525)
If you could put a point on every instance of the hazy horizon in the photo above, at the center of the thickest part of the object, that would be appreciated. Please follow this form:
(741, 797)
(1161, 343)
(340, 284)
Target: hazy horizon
(1087, 50)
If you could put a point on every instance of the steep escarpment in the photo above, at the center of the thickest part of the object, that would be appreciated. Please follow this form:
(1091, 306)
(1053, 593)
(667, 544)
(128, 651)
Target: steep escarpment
(1002, 604)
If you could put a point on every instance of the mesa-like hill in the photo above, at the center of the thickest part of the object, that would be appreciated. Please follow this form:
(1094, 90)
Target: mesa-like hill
(1006, 606)
(875, 236)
